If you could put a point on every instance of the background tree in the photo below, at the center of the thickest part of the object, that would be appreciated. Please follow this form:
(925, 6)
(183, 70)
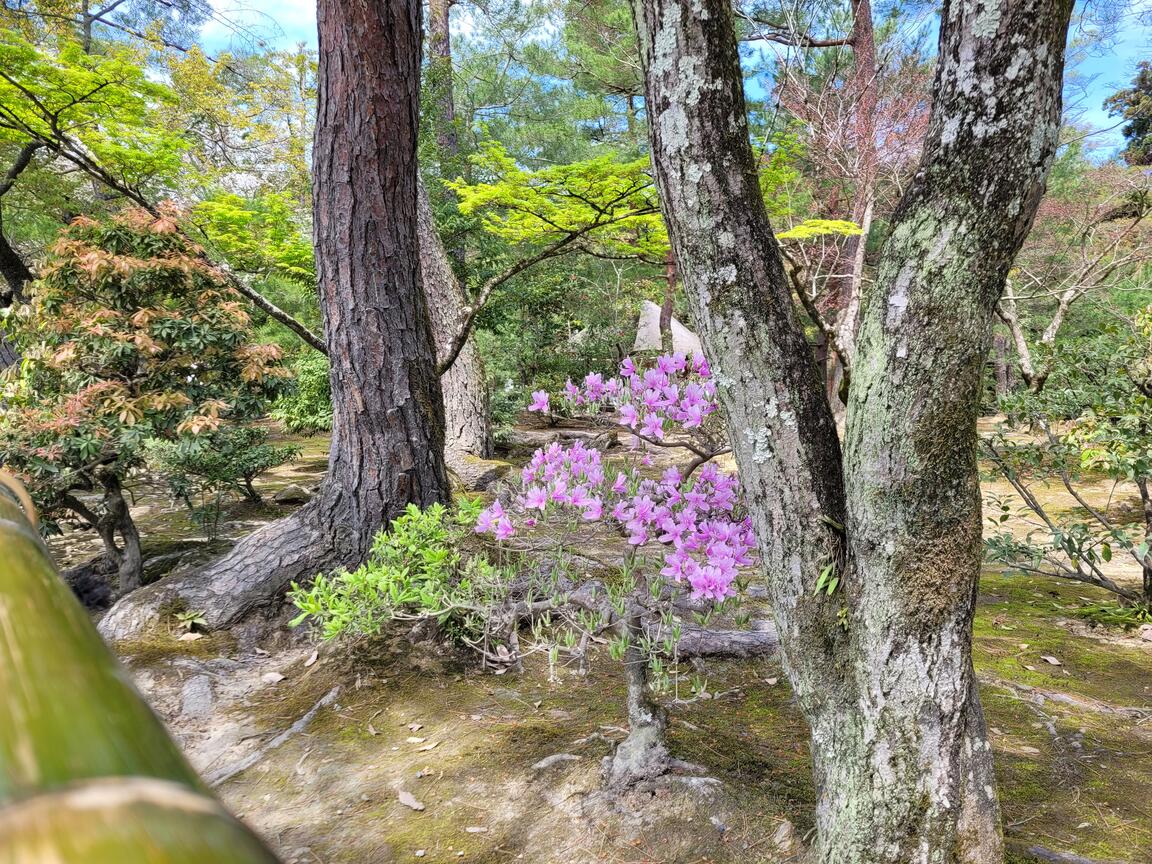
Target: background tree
(881, 668)
(1134, 104)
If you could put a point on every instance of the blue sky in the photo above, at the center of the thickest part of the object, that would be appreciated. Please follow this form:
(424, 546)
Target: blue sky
(285, 23)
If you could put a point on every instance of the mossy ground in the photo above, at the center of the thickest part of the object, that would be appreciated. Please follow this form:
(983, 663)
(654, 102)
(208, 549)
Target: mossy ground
(1073, 746)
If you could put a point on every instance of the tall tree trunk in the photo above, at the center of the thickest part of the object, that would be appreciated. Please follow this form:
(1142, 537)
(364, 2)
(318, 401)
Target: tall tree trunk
(443, 92)
(881, 668)
(463, 384)
(443, 107)
(387, 448)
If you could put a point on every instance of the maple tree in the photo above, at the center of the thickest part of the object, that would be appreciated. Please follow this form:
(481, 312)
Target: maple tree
(130, 336)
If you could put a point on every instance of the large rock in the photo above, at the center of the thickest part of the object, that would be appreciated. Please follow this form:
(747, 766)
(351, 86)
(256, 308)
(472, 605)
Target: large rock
(474, 474)
(684, 341)
(293, 493)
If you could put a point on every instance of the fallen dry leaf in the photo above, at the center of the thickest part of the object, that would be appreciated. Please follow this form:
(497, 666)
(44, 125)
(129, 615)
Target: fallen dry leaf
(312, 658)
(271, 677)
(1048, 658)
(431, 746)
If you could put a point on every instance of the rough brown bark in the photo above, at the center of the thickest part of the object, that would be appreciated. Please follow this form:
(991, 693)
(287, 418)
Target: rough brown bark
(388, 421)
(443, 95)
(882, 667)
(463, 384)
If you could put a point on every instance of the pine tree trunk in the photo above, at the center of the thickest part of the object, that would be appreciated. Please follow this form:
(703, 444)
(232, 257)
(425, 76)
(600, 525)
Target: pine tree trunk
(387, 447)
(902, 762)
(464, 384)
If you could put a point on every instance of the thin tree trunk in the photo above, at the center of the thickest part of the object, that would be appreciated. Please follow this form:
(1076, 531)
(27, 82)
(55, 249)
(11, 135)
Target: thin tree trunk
(643, 755)
(669, 304)
(118, 520)
(865, 90)
(387, 448)
(1000, 361)
(882, 667)
(464, 383)
(1146, 568)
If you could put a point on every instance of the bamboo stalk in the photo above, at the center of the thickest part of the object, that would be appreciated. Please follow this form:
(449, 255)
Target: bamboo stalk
(87, 772)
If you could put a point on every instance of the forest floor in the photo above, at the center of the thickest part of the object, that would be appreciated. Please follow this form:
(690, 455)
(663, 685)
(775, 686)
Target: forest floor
(317, 748)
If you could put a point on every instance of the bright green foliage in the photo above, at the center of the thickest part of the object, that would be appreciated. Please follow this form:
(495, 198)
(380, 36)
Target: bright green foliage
(307, 407)
(812, 228)
(130, 336)
(247, 116)
(606, 200)
(415, 570)
(98, 111)
(258, 235)
(206, 470)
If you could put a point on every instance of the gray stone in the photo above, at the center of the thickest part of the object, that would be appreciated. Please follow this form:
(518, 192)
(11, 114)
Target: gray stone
(293, 493)
(196, 697)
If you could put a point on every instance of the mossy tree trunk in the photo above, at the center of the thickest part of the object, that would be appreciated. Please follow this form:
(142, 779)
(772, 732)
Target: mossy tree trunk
(881, 667)
(387, 448)
(87, 771)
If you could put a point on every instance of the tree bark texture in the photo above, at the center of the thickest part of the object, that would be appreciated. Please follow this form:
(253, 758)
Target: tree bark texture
(881, 667)
(464, 385)
(387, 446)
(443, 93)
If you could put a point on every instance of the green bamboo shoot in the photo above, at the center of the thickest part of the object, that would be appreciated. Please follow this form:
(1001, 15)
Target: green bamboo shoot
(87, 772)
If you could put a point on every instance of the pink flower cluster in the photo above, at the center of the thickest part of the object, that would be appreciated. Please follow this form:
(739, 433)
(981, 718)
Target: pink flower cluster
(695, 522)
(677, 389)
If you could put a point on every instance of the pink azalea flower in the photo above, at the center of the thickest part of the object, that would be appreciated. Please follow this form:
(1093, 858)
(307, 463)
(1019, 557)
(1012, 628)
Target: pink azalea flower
(536, 498)
(653, 426)
(629, 416)
(539, 401)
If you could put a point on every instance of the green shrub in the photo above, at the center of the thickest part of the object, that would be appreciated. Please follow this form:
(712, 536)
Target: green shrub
(307, 408)
(414, 571)
(205, 471)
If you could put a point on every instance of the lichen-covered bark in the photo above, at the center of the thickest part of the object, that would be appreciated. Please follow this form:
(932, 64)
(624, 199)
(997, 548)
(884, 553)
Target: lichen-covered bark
(466, 431)
(882, 668)
(388, 421)
(784, 437)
